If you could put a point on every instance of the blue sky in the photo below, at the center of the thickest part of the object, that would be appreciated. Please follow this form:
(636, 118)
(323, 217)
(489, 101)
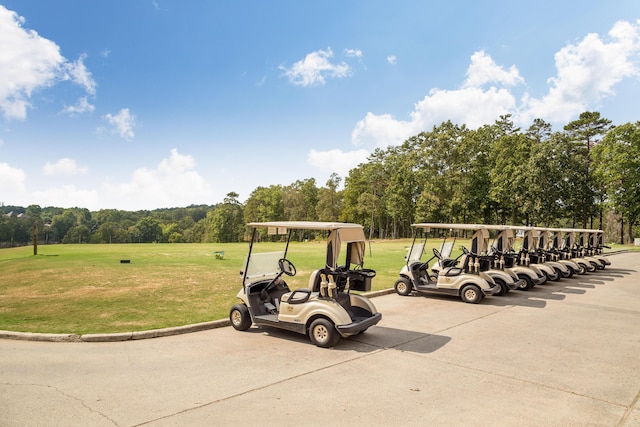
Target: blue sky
(144, 104)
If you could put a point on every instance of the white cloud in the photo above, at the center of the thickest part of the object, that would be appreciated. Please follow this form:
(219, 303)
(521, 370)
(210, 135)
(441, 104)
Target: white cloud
(587, 72)
(105, 53)
(81, 106)
(484, 70)
(11, 179)
(66, 196)
(64, 166)
(78, 73)
(121, 123)
(315, 68)
(391, 59)
(353, 53)
(338, 161)
(174, 182)
(29, 62)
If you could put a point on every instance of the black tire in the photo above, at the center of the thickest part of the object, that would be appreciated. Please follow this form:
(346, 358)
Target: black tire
(501, 285)
(558, 274)
(528, 283)
(403, 286)
(239, 317)
(323, 333)
(471, 294)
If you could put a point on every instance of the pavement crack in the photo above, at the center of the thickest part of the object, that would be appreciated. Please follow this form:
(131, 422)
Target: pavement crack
(66, 395)
(630, 408)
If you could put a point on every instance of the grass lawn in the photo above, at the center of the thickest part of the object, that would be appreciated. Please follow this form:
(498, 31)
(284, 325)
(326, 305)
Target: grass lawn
(84, 289)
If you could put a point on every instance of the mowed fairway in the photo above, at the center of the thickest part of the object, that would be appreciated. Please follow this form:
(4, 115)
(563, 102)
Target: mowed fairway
(82, 289)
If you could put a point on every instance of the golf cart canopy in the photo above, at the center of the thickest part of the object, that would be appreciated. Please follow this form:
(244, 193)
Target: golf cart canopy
(427, 226)
(339, 232)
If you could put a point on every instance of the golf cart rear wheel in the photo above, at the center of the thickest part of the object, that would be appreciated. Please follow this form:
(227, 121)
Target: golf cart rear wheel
(323, 333)
(471, 294)
(240, 317)
(403, 286)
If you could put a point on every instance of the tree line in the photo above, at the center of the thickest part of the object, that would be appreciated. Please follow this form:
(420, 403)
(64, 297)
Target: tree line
(587, 175)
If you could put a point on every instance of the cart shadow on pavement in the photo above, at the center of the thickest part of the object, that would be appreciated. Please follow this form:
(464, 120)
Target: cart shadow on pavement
(386, 337)
(376, 338)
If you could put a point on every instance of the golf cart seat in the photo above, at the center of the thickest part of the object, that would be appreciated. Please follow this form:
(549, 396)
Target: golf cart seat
(296, 297)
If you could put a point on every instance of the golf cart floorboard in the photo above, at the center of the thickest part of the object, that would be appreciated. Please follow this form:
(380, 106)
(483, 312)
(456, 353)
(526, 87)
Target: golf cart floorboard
(272, 320)
(433, 288)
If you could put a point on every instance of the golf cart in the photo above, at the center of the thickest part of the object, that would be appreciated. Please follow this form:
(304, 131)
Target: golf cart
(547, 245)
(326, 310)
(481, 260)
(576, 252)
(538, 257)
(466, 282)
(514, 261)
(596, 245)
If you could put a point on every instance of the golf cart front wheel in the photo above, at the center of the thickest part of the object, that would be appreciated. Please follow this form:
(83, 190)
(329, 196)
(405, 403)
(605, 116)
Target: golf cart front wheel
(403, 286)
(501, 285)
(323, 333)
(471, 294)
(240, 317)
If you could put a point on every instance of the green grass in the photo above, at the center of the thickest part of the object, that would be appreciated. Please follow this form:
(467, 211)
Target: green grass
(84, 289)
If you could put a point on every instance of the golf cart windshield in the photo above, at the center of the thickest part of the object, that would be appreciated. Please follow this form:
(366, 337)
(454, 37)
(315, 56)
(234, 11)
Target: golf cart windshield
(341, 235)
(262, 266)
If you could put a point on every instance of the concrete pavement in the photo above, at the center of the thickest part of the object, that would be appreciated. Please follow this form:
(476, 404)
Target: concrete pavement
(563, 354)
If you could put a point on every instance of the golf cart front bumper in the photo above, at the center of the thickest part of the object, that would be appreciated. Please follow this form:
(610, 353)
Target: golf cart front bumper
(358, 326)
(517, 284)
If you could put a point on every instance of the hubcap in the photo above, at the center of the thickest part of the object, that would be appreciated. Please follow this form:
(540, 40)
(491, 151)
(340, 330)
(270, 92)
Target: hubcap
(470, 294)
(321, 333)
(236, 318)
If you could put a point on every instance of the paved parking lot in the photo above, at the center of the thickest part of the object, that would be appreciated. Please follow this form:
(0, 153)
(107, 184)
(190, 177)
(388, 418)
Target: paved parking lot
(563, 354)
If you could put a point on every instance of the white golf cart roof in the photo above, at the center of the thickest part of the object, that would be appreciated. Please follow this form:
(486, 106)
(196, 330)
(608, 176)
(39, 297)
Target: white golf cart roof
(429, 225)
(306, 225)
(339, 233)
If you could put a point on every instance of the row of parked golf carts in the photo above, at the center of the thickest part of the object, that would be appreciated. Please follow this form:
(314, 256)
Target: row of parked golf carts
(326, 309)
(493, 266)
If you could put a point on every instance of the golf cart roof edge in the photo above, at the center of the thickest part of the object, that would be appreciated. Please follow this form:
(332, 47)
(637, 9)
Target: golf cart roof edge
(306, 225)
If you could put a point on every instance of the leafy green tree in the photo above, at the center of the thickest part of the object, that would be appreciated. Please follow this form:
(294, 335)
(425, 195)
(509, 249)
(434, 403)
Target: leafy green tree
(330, 200)
(226, 222)
(585, 133)
(62, 223)
(300, 200)
(617, 166)
(149, 230)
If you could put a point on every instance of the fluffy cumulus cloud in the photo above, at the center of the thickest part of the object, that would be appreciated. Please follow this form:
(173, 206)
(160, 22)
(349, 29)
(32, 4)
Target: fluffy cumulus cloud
(587, 72)
(174, 182)
(81, 106)
(337, 161)
(11, 179)
(29, 62)
(316, 67)
(121, 124)
(64, 166)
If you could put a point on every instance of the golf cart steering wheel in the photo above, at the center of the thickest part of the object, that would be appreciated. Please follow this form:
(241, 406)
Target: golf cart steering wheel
(437, 253)
(465, 250)
(286, 267)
